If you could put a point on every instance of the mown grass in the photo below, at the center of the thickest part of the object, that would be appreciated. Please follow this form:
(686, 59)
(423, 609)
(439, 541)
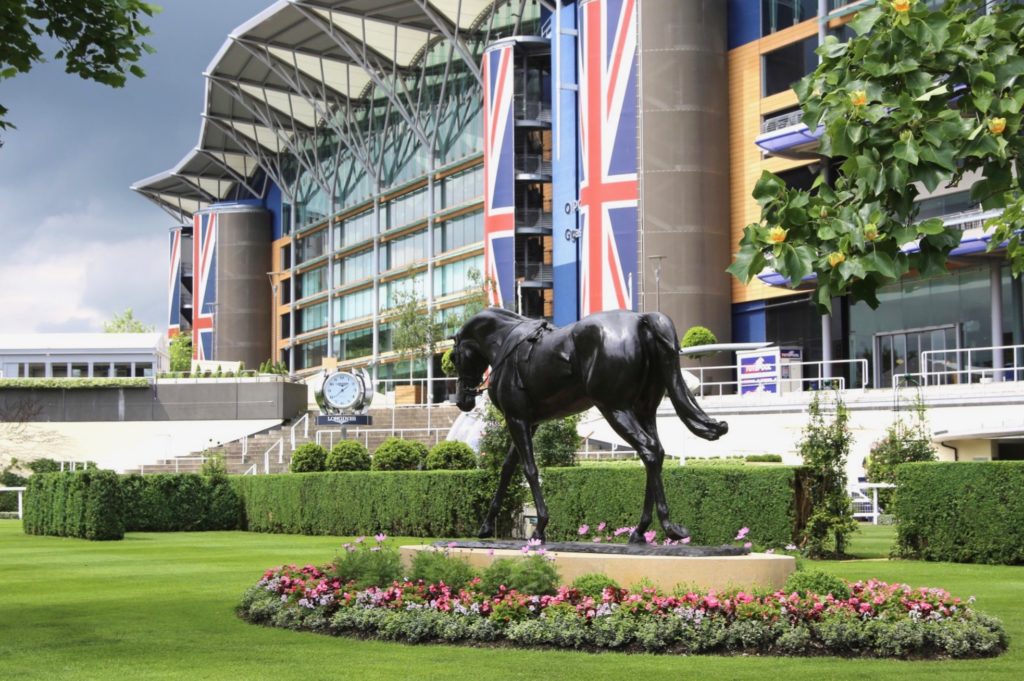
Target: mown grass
(161, 606)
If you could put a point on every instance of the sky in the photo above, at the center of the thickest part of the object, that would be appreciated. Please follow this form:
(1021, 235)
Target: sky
(79, 245)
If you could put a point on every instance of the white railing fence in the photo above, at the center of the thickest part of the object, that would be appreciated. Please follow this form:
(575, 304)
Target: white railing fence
(990, 364)
(304, 422)
(797, 379)
(327, 438)
(20, 491)
(279, 446)
(865, 500)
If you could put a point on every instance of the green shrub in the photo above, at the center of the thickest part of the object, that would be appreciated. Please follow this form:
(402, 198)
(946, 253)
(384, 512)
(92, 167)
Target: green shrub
(903, 443)
(535, 575)
(448, 365)
(407, 503)
(348, 455)
(368, 565)
(556, 442)
(214, 465)
(966, 512)
(396, 454)
(712, 501)
(434, 567)
(698, 335)
(818, 582)
(86, 504)
(763, 458)
(308, 458)
(43, 465)
(179, 503)
(495, 440)
(9, 500)
(71, 383)
(593, 584)
(452, 456)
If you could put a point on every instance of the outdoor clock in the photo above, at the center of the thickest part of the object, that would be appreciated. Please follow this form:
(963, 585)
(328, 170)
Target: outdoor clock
(346, 391)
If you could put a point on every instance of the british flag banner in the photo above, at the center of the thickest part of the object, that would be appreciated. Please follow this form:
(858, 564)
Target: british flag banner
(174, 285)
(204, 273)
(608, 158)
(499, 176)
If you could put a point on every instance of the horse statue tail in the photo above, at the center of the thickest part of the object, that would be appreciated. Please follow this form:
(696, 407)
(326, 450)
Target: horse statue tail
(665, 346)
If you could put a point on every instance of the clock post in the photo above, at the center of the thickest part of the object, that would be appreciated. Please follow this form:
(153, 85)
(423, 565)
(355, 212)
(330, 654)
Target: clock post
(343, 398)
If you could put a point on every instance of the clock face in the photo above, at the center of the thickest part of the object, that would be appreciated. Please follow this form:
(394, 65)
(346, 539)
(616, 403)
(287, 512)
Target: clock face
(342, 390)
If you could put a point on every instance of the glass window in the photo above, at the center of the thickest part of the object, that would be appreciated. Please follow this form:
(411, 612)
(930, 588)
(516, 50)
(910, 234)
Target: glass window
(355, 267)
(787, 65)
(403, 250)
(459, 232)
(455, 277)
(312, 317)
(354, 344)
(407, 209)
(356, 229)
(463, 187)
(311, 354)
(80, 370)
(312, 282)
(354, 305)
(59, 370)
(123, 370)
(779, 14)
(36, 370)
(311, 246)
(947, 204)
(143, 369)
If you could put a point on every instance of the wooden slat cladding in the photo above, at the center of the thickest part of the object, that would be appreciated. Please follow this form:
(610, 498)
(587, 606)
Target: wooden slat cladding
(746, 160)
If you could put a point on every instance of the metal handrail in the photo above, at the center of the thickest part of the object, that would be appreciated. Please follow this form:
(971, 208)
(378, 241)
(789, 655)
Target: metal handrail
(280, 454)
(1014, 371)
(437, 434)
(252, 470)
(861, 363)
(305, 433)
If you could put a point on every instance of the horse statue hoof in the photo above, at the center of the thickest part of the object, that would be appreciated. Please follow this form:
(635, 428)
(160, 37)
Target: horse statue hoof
(636, 537)
(538, 536)
(676, 532)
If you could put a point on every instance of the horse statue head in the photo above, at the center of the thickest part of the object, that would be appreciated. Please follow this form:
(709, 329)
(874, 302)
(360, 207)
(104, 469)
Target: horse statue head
(470, 366)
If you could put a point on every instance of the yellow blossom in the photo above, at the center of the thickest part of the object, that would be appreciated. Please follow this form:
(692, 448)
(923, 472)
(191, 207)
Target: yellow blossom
(835, 258)
(901, 5)
(777, 235)
(823, 212)
(996, 126)
(871, 231)
(858, 98)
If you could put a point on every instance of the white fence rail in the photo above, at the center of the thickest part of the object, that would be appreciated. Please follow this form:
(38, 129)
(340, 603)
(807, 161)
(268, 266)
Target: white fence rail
(865, 500)
(20, 491)
(836, 368)
(990, 364)
(279, 446)
(327, 438)
(304, 422)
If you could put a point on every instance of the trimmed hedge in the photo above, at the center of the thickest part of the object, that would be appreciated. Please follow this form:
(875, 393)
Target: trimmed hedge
(409, 503)
(714, 502)
(348, 455)
(965, 512)
(179, 503)
(451, 455)
(86, 504)
(71, 383)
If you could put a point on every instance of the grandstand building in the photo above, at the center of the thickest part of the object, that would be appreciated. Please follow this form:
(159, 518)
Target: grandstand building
(581, 156)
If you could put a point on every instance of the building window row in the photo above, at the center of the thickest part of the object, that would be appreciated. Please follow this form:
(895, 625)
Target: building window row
(459, 232)
(403, 250)
(458, 276)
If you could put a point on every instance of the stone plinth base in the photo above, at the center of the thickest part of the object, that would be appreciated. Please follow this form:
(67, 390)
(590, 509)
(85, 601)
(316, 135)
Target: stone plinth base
(664, 571)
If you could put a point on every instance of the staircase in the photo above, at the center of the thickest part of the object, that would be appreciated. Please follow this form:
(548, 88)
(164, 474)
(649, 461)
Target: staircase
(270, 451)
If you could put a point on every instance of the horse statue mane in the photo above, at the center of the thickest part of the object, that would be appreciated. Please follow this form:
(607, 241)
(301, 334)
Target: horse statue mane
(621, 362)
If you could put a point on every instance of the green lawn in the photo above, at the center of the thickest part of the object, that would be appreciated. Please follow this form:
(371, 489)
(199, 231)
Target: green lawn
(160, 606)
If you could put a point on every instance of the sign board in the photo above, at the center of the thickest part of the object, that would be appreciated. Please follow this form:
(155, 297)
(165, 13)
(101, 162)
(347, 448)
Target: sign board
(344, 420)
(759, 371)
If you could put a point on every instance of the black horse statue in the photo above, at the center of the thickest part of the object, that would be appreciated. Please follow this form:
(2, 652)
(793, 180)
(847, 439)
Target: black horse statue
(620, 362)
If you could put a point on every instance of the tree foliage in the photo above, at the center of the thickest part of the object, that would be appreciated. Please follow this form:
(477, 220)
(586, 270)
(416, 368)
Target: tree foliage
(904, 442)
(180, 349)
(918, 99)
(100, 40)
(414, 333)
(825, 446)
(127, 323)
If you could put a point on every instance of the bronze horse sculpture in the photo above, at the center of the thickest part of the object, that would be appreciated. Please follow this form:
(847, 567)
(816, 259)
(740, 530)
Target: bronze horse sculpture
(620, 362)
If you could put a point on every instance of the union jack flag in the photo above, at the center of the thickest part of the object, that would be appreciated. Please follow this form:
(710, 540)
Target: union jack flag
(499, 176)
(174, 286)
(608, 161)
(204, 264)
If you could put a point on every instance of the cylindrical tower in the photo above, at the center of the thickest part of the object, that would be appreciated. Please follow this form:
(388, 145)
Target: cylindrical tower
(684, 162)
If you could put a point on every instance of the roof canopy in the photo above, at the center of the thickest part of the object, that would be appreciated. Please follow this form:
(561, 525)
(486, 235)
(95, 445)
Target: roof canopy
(292, 74)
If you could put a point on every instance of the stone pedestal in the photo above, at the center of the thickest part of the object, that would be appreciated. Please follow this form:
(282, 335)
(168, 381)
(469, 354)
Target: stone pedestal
(664, 571)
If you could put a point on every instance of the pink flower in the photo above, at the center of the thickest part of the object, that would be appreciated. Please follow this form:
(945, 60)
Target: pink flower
(584, 529)
(452, 544)
(601, 526)
(791, 547)
(649, 536)
(742, 533)
(747, 545)
(685, 540)
(490, 552)
(597, 540)
(525, 549)
(360, 540)
(380, 537)
(769, 550)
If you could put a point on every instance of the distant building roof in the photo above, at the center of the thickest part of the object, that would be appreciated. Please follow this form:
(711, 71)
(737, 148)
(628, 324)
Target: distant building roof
(34, 343)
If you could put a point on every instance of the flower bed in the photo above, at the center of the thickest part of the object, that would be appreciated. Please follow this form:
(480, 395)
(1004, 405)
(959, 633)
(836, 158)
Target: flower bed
(876, 620)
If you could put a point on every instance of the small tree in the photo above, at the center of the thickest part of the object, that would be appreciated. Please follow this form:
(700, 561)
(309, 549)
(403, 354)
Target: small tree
(452, 456)
(396, 454)
(414, 333)
(556, 442)
(348, 455)
(903, 443)
(180, 350)
(698, 335)
(825, 446)
(448, 365)
(126, 323)
(308, 458)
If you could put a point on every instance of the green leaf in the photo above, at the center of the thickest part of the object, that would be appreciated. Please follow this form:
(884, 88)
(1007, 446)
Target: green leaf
(880, 262)
(940, 90)
(906, 151)
(982, 99)
(866, 20)
(931, 226)
(797, 264)
(768, 188)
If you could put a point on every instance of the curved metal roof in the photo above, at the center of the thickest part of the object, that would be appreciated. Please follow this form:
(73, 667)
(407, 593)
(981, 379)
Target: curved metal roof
(291, 73)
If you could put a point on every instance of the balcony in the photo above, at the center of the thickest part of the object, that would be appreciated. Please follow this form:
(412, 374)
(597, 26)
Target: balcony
(532, 166)
(533, 221)
(535, 275)
(531, 112)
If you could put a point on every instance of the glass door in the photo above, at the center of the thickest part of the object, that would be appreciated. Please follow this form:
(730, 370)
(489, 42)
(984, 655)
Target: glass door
(903, 352)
